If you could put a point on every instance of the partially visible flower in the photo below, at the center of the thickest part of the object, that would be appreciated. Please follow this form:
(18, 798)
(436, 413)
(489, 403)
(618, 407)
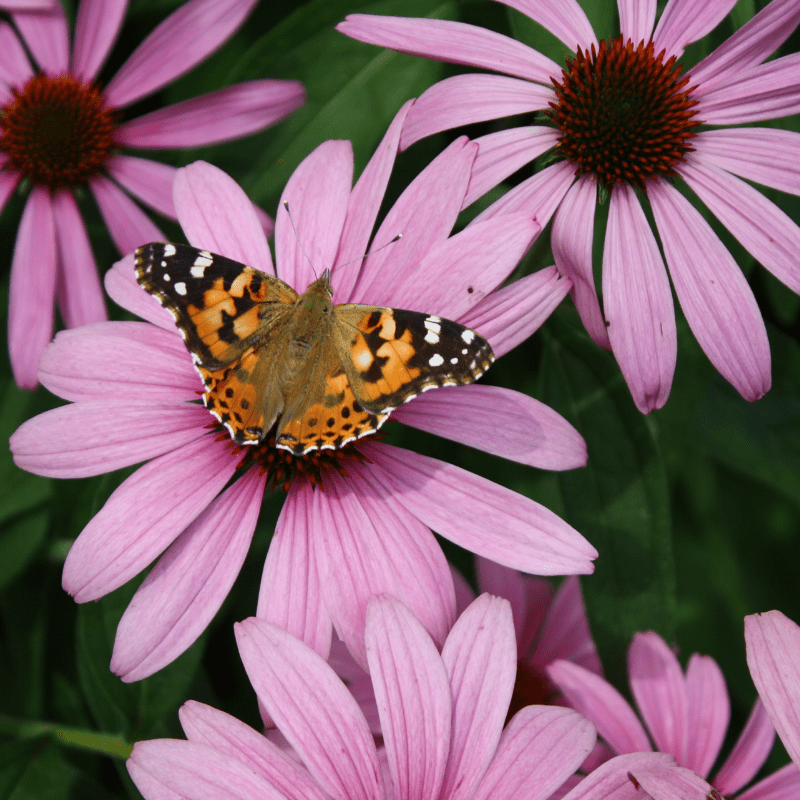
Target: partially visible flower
(59, 131)
(442, 718)
(686, 715)
(773, 655)
(623, 118)
(135, 389)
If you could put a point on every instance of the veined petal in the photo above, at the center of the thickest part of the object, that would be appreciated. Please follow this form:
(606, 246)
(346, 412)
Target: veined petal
(47, 36)
(313, 710)
(572, 238)
(456, 42)
(149, 181)
(144, 515)
(501, 421)
(96, 30)
(636, 19)
(563, 18)
(217, 215)
(714, 294)
(684, 22)
(188, 584)
(412, 691)
(773, 644)
(15, 68)
(184, 39)
(638, 303)
(480, 656)
(673, 783)
(291, 593)
(781, 785)
(464, 99)
(220, 116)
(709, 711)
(612, 780)
(121, 285)
(749, 753)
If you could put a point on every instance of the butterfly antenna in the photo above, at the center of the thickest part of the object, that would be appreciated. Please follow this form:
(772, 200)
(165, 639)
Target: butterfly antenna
(371, 253)
(299, 243)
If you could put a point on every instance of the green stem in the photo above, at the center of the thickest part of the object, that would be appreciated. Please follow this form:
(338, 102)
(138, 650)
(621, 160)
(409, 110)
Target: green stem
(105, 743)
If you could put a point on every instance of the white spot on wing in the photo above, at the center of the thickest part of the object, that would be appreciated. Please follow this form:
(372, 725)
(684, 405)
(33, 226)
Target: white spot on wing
(180, 288)
(435, 360)
(197, 272)
(468, 336)
(169, 250)
(166, 276)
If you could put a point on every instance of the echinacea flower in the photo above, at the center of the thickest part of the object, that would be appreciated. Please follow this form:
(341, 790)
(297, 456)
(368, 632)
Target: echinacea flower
(686, 714)
(622, 117)
(773, 655)
(135, 391)
(442, 716)
(60, 131)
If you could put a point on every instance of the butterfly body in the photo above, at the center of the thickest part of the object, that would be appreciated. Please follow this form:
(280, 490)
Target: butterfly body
(322, 374)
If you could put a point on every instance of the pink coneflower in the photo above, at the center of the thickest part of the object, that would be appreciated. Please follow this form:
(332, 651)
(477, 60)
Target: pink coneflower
(773, 655)
(60, 131)
(135, 389)
(442, 718)
(686, 714)
(623, 119)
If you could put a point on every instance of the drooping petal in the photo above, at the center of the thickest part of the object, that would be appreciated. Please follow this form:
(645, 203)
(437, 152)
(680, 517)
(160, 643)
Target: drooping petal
(638, 303)
(313, 710)
(31, 293)
(128, 225)
(412, 691)
(714, 294)
(781, 785)
(80, 296)
(501, 421)
(144, 515)
(317, 195)
(217, 215)
(709, 712)
(121, 285)
(96, 30)
(291, 595)
(613, 780)
(673, 783)
(188, 584)
(636, 19)
(47, 37)
(572, 238)
(563, 18)
(684, 22)
(149, 181)
(220, 116)
(480, 656)
(184, 39)
(479, 515)
(773, 645)
(15, 68)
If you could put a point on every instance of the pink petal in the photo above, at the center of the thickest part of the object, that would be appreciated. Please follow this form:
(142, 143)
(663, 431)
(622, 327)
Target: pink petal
(413, 696)
(15, 68)
(781, 785)
(598, 700)
(539, 749)
(144, 515)
(217, 215)
(31, 293)
(360, 557)
(121, 285)
(709, 712)
(479, 515)
(291, 594)
(317, 194)
(613, 780)
(749, 753)
(502, 153)
(513, 313)
(455, 42)
(47, 37)
(768, 156)
(424, 214)
(714, 294)
(128, 225)
(673, 783)
(220, 116)
(773, 645)
(313, 709)
(80, 296)
(757, 223)
(480, 656)
(149, 181)
(184, 39)
(96, 30)
(464, 593)
(464, 99)
(638, 303)
(636, 19)
(95, 437)
(502, 422)
(684, 22)
(563, 18)
(187, 586)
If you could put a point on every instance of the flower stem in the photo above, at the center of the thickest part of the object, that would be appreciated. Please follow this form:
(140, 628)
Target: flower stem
(107, 744)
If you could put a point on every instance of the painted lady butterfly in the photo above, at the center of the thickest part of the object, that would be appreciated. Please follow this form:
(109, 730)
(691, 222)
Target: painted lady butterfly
(327, 374)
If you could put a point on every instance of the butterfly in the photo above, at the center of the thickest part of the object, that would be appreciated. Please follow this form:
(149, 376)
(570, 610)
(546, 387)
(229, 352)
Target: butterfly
(322, 374)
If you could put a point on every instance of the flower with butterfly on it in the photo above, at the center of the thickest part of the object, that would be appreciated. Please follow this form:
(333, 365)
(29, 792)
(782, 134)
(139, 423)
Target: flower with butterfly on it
(60, 132)
(134, 389)
(622, 117)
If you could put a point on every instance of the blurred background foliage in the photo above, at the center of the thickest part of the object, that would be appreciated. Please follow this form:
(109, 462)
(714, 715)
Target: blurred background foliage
(695, 509)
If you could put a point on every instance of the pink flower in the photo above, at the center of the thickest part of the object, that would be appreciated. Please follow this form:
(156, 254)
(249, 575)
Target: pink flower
(626, 139)
(442, 717)
(133, 385)
(53, 259)
(686, 715)
(773, 655)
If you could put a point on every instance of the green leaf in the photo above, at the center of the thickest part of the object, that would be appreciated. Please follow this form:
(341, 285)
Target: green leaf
(20, 540)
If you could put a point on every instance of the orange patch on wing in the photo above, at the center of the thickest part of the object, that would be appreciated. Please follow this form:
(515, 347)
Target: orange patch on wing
(233, 398)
